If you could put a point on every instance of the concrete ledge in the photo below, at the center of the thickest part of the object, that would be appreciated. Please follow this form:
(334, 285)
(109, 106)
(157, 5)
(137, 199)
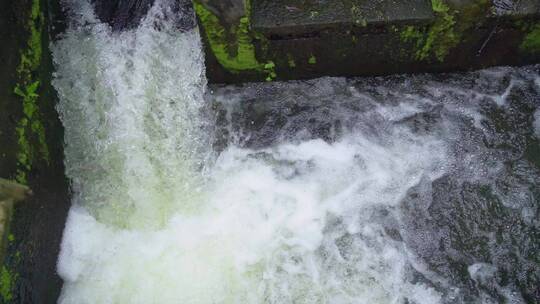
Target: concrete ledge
(296, 17)
(295, 39)
(10, 193)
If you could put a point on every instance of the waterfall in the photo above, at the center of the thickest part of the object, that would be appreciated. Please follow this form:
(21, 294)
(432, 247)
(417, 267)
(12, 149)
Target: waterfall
(131, 104)
(307, 201)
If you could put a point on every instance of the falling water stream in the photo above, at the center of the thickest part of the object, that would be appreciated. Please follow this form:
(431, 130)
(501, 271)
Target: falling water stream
(403, 189)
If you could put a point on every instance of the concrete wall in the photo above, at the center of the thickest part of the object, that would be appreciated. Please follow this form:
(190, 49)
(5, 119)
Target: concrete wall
(10, 194)
(296, 39)
(31, 152)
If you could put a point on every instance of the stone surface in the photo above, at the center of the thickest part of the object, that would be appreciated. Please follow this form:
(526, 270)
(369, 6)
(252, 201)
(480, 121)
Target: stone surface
(295, 17)
(229, 11)
(37, 224)
(6, 210)
(300, 39)
(11, 41)
(10, 193)
(13, 191)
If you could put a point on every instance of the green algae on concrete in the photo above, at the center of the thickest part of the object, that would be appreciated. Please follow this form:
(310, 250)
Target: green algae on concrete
(439, 38)
(270, 68)
(37, 224)
(531, 42)
(410, 36)
(447, 31)
(7, 282)
(27, 89)
(8, 278)
(232, 47)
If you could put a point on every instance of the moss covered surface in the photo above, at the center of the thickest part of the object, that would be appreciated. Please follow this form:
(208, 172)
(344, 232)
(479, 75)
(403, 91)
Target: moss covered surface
(31, 151)
(27, 88)
(457, 35)
(447, 31)
(233, 45)
(8, 273)
(6, 284)
(29, 130)
(9, 276)
(531, 42)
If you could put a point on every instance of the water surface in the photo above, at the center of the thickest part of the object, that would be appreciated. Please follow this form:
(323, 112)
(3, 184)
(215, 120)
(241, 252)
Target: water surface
(404, 189)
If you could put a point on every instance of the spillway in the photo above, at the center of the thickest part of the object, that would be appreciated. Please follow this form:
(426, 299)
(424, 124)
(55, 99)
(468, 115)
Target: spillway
(402, 189)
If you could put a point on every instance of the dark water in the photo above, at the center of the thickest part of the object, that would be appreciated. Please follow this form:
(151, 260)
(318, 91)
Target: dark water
(127, 14)
(474, 232)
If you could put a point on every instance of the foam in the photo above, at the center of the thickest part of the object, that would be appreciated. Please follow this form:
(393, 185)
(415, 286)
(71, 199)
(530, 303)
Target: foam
(157, 220)
(260, 235)
(130, 105)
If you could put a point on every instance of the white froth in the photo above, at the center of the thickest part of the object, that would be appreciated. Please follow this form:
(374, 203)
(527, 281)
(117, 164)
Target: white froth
(259, 236)
(129, 104)
(154, 221)
(481, 272)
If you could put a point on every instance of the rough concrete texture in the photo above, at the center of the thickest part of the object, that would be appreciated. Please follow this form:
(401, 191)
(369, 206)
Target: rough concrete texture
(298, 39)
(10, 193)
(295, 17)
(31, 151)
(10, 190)
(9, 57)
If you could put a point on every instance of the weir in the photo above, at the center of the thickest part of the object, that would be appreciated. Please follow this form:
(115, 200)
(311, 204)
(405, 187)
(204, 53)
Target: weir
(261, 40)
(397, 189)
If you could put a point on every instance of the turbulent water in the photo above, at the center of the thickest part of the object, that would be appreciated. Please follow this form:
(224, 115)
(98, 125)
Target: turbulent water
(406, 189)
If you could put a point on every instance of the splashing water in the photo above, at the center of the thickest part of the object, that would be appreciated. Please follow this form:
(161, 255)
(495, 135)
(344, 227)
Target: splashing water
(130, 103)
(322, 193)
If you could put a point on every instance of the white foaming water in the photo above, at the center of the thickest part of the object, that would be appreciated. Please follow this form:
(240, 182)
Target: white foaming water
(130, 105)
(155, 220)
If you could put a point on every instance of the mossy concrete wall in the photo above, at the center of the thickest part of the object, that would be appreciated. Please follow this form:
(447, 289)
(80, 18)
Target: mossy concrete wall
(31, 153)
(297, 39)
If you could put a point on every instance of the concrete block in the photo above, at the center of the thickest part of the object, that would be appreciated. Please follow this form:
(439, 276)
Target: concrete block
(299, 39)
(10, 193)
(296, 17)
